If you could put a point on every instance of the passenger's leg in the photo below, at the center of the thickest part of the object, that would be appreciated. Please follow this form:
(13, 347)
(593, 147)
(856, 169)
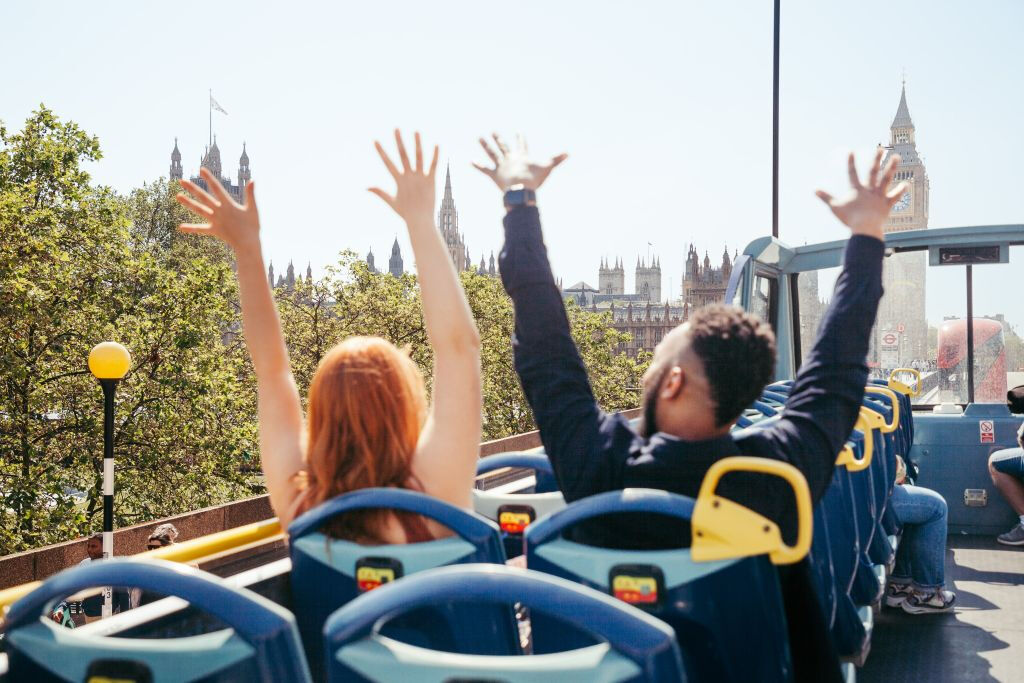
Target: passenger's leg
(1007, 470)
(925, 514)
(901, 580)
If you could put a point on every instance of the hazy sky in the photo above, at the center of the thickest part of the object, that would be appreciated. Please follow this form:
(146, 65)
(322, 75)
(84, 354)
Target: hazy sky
(664, 108)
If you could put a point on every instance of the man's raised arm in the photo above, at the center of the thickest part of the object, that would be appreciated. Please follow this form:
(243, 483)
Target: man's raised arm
(547, 361)
(826, 397)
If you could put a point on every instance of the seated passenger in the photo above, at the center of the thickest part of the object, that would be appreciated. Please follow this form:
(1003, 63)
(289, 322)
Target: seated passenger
(918, 578)
(1007, 469)
(704, 373)
(368, 423)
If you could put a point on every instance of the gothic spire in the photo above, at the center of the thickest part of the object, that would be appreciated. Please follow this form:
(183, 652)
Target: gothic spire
(902, 119)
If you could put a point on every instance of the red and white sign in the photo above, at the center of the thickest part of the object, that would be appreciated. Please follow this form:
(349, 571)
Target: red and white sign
(986, 431)
(890, 339)
(901, 328)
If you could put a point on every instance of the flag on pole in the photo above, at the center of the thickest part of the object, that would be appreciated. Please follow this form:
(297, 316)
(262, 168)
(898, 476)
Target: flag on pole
(214, 105)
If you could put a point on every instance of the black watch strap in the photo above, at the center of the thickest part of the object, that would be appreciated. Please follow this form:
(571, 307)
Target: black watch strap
(519, 197)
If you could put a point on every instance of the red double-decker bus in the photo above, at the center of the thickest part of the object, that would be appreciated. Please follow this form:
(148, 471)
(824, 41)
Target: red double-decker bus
(989, 360)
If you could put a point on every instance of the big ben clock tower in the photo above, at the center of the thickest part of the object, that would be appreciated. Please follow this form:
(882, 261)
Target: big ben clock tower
(911, 211)
(901, 315)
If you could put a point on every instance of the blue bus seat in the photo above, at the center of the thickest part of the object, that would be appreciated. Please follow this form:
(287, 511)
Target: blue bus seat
(261, 641)
(721, 595)
(328, 573)
(629, 645)
(515, 511)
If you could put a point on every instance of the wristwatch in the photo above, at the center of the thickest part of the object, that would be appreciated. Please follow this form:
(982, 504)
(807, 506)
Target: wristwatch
(517, 195)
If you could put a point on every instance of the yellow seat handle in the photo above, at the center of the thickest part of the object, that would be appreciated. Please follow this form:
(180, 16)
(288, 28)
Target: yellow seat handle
(891, 394)
(902, 387)
(867, 421)
(723, 529)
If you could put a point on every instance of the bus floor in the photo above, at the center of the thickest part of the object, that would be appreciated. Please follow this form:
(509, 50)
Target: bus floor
(983, 640)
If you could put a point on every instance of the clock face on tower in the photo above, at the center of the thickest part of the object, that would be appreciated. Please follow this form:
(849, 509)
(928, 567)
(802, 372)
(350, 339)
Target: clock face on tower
(904, 202)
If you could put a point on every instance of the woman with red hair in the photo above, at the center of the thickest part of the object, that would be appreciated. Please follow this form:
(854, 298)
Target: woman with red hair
(369, 423)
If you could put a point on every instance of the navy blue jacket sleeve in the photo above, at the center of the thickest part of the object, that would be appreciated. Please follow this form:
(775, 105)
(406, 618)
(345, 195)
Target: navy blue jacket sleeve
(548, 363)
(825, 399)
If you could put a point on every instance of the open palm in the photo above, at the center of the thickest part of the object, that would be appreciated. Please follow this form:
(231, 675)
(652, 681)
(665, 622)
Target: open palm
(865, 209)
(514, 167)
(237, 224)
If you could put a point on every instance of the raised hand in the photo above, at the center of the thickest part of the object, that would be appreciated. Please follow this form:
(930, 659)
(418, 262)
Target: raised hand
(865, 209)
(513, 167)
(414, 197)
(238, 225)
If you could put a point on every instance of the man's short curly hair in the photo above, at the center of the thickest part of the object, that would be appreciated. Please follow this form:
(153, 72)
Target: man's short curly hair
(738, 353)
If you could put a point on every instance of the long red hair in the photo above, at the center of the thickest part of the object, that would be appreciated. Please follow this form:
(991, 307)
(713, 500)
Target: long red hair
(367, 407)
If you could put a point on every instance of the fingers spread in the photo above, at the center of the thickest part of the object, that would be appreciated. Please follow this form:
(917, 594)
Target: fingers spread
(401, 152)
(193, 205)
(890, 171)
(214, 184)
(250, 195)
(501, 145)
(490, 152)
(387, 160)
(489, 172)
(419, 153)
(388, 199)
(200, 194)
(895, 193)
(873, 174)
(824, 196)
(433, 162)
(852, 168)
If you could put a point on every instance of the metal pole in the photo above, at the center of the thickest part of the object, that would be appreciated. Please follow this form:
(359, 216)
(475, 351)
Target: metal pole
(970, 335)
(109, 388)
(775, 129)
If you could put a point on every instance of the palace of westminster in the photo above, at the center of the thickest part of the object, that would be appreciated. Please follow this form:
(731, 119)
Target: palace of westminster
(646, 314)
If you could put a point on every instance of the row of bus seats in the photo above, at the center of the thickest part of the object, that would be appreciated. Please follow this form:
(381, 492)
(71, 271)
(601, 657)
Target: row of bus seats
(712, 611)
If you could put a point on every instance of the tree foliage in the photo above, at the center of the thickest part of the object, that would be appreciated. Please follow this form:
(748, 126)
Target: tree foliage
(80, 264)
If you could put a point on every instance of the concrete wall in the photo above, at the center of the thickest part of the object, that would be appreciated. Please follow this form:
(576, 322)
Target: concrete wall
(33, 565)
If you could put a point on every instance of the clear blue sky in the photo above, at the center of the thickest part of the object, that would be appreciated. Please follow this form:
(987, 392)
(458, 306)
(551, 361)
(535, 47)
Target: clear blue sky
(664, 107)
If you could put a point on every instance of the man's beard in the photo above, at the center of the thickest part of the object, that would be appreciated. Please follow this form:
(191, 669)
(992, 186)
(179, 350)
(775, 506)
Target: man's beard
(649, 407)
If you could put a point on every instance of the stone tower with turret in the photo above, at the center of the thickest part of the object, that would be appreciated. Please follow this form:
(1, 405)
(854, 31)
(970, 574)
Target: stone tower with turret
(448, 223)
(395, 266)
(211, 160)
(648, 279)
(611, 279)
(176, 171)
(901, 313)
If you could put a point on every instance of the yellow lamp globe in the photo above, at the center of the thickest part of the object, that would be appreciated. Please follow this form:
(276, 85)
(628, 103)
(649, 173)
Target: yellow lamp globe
(109, 360)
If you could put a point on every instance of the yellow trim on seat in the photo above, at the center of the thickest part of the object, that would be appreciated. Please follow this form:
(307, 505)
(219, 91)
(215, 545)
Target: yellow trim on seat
(867, 421)
(903, 388)
(723, 529)
(885, 391)
(187, 551)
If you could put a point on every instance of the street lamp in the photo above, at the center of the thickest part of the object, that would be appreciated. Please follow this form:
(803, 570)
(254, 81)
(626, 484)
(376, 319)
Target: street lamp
(108, 362)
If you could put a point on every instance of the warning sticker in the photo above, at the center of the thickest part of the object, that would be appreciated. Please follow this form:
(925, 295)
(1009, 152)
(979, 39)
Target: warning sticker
(986, 431)
(369, 578)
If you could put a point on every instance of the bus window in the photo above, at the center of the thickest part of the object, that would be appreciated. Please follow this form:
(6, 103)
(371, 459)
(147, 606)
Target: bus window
(764, 298)
(998, 328)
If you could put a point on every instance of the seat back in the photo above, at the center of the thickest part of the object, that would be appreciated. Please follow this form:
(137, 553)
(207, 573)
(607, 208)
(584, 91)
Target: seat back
(260, 643)
(328, 573)
(514, 511)
(629, 645)
(721, 595)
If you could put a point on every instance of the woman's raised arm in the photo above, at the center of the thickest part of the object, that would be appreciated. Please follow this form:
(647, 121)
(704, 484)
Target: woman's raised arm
(280, 412)
(445, 461)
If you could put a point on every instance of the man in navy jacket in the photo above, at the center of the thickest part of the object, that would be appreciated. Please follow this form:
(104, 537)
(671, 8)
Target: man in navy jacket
(703, 375)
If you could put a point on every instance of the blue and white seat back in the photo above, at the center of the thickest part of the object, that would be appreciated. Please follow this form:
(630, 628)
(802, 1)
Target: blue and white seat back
(260, 641)
(328, 572)
(516, 509)
(721, 594)
(628, 645)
